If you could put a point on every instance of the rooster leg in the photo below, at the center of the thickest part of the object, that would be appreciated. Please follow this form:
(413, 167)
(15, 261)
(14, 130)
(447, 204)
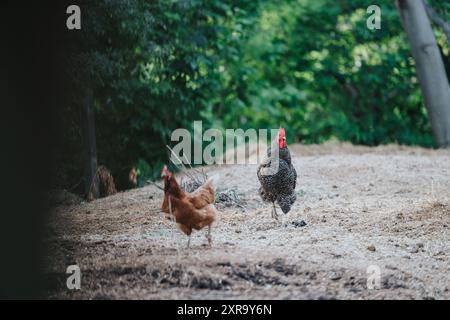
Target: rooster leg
(172, 217)
(274, 211)
(208, 236)
(189, 242)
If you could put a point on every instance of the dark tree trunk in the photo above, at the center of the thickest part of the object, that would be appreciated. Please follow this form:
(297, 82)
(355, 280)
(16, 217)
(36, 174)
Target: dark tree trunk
(89, 146)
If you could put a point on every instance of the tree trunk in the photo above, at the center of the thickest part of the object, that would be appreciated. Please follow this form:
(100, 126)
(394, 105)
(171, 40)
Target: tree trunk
(430, 67)
(89, 146)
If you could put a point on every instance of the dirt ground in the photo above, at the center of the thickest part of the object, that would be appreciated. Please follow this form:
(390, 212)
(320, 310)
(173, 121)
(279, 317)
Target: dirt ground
(387, 207)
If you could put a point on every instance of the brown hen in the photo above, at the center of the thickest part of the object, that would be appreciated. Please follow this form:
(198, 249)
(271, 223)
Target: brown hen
(194, 210)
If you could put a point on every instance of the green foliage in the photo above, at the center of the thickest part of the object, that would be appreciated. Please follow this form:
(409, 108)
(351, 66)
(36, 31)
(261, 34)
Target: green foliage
(311, 66)
(314, 67)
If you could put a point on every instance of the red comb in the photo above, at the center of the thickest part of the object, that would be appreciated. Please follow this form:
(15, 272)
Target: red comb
(282, 138)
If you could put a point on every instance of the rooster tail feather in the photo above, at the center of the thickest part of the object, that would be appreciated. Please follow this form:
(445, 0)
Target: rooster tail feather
(213, 180)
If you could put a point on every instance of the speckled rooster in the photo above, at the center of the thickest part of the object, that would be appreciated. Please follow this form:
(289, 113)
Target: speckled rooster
(278, 181)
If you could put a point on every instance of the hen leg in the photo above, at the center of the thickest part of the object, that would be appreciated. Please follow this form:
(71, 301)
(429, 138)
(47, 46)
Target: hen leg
(208, 236)
(274, 211)
(189, 242)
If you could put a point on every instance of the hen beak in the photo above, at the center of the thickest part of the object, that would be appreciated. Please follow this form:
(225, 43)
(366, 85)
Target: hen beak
(165, 172)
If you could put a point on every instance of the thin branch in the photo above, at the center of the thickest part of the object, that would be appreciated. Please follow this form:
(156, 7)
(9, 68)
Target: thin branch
(153, 183)
(187, 161)
(184, 168)
(438, 20)
(76, 185)
(181, 162)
